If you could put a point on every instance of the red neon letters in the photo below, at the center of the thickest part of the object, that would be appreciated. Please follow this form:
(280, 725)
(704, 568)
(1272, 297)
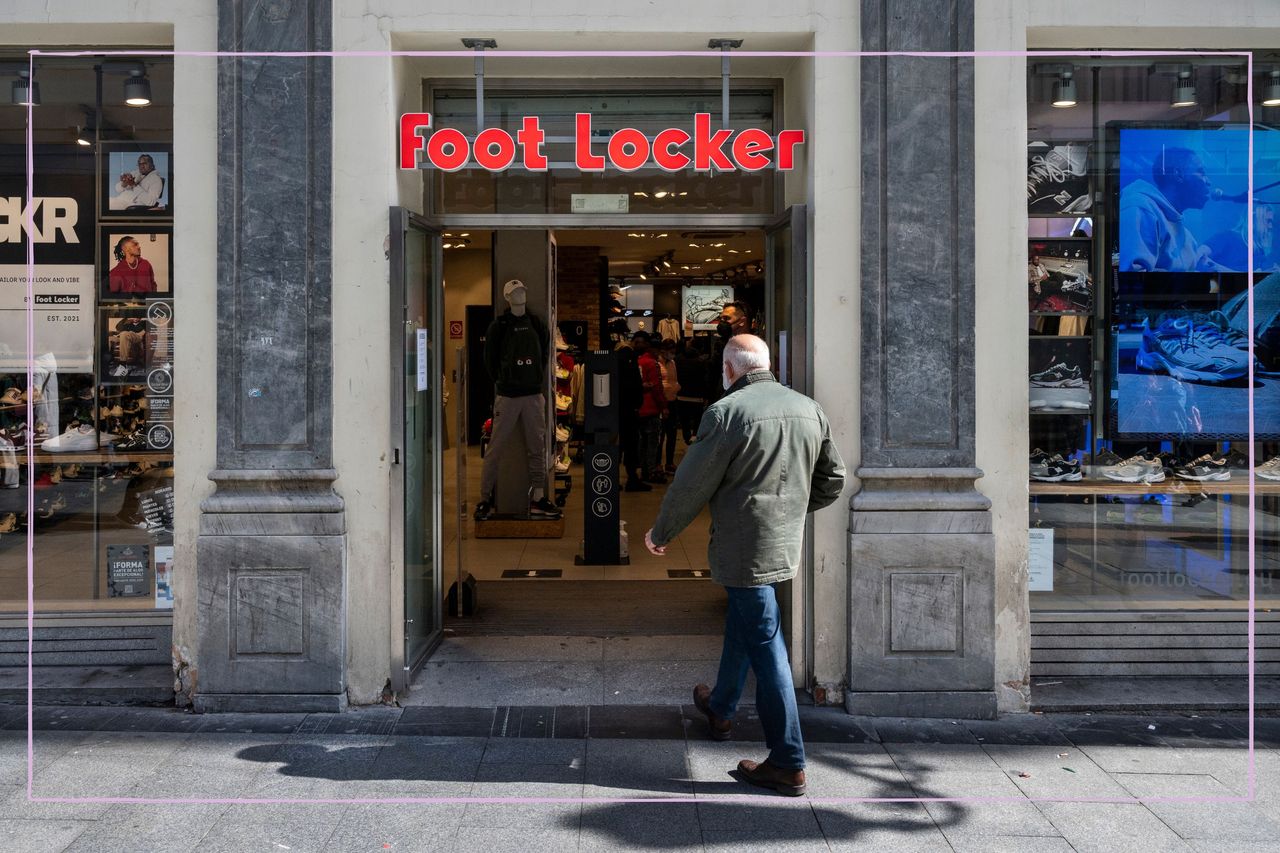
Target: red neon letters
(626, 148)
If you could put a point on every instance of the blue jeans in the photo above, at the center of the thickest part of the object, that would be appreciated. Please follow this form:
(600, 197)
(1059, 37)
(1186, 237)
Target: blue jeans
(753, 638)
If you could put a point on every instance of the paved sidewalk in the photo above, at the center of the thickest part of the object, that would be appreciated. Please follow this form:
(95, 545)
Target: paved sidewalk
(596, 754)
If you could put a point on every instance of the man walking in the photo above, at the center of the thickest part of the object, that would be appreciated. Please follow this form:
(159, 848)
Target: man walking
(763, 459)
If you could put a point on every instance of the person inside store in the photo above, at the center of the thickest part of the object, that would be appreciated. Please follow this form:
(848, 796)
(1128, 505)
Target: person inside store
(132, 272)
(516, 350)
(138, 190)
(763, 460)
(692, 360)
(670, 393)
(653, 405)
(630, 397)
(734, 319)
(1153, 235)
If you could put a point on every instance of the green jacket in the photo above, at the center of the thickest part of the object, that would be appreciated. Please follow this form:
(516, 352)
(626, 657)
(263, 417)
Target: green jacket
(763, 459)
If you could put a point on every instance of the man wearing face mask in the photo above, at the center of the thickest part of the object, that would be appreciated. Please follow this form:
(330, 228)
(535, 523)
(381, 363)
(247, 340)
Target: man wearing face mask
(763, 460)
(734, 319)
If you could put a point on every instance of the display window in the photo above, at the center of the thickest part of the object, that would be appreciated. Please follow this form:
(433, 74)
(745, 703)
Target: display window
(100, 389)
(1141, 345)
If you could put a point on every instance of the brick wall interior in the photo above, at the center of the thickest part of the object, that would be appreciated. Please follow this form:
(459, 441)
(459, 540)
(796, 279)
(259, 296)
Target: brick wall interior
(578, 288)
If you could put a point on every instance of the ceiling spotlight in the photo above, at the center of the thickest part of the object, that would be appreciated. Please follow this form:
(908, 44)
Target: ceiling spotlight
(84, 137)
(1064, 90)
(1184, 90)
(660, 194)
(137, 89)
(1271, 94)
(24, 92)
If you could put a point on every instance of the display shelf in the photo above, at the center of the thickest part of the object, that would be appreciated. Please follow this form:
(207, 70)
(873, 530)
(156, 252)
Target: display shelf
(1170, 486)
(43, 458)
(1084, 413)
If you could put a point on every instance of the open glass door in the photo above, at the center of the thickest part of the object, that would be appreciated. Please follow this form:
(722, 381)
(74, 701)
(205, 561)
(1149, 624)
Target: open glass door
(787, 297)
(787, 324)
(416, 290)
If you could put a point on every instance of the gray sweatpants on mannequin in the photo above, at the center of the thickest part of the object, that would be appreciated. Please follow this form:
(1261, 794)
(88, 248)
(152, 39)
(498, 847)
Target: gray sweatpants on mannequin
(528, 414)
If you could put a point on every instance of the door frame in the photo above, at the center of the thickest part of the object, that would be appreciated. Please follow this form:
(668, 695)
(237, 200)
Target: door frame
(401, 220)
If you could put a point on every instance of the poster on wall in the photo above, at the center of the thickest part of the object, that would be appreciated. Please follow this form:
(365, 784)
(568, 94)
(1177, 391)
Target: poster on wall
(137, 179)
(61, 230)
(128, 571)
(1061, 374)
(124, 345)
(1059, 280)
(1058, 178)
(164, 577)
(136, 262)
(701, 306)
(1040, 559)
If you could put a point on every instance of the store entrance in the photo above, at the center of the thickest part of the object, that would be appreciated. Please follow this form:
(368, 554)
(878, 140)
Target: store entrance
(642, 300)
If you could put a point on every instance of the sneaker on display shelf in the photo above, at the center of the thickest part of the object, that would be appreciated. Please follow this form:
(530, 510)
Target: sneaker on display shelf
(1135, 469)
(76, 438)
(1204, 469)
(1269, 470)
(562, 433)
(1190, 349)
(1080, 284)
(1055, 469)
(1039, 404)
(484, 509)
(1105, 457)
(1058, 376)
(1236, 461)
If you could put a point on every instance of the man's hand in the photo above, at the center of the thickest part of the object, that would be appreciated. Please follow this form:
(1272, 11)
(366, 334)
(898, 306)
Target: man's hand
(655, 550)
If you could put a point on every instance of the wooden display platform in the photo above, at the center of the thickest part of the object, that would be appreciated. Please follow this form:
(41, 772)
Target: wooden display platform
(1170, 486)
(510, 527)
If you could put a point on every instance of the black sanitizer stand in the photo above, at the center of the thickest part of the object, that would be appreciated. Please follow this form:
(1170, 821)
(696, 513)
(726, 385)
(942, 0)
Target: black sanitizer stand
(601, 463)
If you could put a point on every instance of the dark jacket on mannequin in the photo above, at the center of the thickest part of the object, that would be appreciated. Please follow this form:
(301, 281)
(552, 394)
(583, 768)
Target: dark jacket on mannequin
(515, 354)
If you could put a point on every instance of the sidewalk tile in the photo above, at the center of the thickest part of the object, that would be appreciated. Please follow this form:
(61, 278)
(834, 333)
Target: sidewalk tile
(1106, 827)
(910, 730)
(312, 767)
(208, 766)
(1010, 814)
(1017, 729)
(255, 826)
(407, 827)
(831, 725)
(735, 841)
(1011, 844)
(746, 724)
(57, 718)
(637, 768)
(523, 648)
(42, 836)
(916, 759)
(252, 723)
(1052, 777)
(127, 828)
(853, 770)
(772, 816)
(686, 647)
(626, 826)
(525, 781)
(495, 683)
(456, 722)
(1187, 732)
(651, 722)
(1108, 730)
(514, 839)
(412, 764)
(901, 827)
(1218, 821)
(566, 753)
(663, 682)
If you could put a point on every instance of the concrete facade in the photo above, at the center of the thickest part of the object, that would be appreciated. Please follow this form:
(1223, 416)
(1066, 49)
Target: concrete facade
(985, 419)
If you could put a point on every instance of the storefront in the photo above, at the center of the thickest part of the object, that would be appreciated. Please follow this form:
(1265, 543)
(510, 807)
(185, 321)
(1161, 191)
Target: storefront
(321, 444)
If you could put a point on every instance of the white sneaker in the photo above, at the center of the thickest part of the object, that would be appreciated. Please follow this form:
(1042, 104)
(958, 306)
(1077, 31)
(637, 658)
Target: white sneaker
(1135, 469)
(77, 438)
(1269, 470)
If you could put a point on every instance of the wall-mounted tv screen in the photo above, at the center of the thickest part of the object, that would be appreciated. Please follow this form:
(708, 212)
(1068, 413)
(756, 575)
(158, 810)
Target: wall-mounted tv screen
(1182, 198)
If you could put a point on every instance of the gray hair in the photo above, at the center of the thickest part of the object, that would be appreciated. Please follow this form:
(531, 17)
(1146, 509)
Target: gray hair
(745, 353)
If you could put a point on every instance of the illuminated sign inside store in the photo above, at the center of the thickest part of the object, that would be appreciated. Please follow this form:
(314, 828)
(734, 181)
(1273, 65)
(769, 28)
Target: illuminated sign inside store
(626, 149)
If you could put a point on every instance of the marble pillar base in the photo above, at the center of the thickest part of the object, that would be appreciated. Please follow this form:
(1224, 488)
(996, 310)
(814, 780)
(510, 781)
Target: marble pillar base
(271, 581)
(922, 595)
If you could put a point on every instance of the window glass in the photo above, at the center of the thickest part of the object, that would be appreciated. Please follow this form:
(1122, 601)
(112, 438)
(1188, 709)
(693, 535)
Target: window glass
(1139, 334)
(100, 387)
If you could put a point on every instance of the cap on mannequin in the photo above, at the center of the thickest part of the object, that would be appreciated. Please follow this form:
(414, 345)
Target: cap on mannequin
(516, 295)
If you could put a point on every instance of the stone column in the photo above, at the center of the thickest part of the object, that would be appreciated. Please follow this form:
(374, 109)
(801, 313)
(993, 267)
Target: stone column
(271, 564)
(922, 559)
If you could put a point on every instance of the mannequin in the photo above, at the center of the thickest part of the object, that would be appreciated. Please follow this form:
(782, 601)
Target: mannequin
(515, 355)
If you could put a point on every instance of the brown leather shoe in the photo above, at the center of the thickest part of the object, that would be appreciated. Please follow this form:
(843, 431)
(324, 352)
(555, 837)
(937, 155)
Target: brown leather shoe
(789, 783)
(718, 728)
